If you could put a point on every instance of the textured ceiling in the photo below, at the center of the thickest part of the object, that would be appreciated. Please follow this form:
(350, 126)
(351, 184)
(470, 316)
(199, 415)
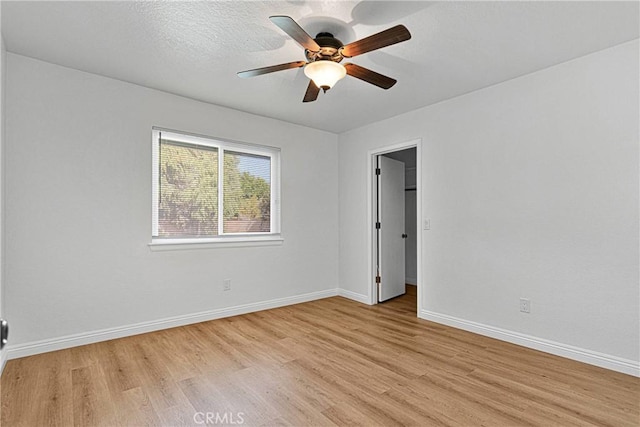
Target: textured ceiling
(194, 49)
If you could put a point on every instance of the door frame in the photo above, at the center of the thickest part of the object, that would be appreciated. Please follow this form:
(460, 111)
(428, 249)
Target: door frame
(371, 206)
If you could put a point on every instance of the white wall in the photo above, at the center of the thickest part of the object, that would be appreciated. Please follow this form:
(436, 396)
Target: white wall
(78, 217)
(531, 187)
(532, 191)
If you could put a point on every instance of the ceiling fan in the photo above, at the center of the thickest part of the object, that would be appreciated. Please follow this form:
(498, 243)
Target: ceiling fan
(324, 54)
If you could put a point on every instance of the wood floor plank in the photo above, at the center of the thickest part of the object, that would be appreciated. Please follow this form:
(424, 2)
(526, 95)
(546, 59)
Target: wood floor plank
(118, 365)
(327, 362)
(134, 408)
(347, 393)
(156, 378)
(92, 404)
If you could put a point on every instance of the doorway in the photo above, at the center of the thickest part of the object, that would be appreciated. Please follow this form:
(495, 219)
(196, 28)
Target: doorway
(395, 203)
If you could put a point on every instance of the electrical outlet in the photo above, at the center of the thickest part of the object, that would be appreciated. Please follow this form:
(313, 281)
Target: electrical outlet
(525, 305)
(226, 285)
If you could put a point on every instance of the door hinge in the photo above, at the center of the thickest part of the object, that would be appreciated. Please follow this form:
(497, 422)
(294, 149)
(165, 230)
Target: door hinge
(378, 225)
(377, 171)
(377, 279)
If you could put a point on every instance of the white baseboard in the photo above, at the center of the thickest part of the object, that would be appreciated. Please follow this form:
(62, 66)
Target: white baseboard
(53, 344)
(411, 281)
(587, 356)
(606, 361)
(3, 360)
(364, 299)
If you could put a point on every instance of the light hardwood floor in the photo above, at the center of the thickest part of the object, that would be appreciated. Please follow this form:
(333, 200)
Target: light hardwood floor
(327, 362)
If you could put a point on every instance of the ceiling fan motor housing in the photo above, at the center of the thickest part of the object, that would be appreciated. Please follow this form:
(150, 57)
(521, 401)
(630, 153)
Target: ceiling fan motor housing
(330, 49)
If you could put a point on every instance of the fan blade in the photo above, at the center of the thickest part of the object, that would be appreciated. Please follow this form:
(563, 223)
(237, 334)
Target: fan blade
(369, 76)
(312, 92)
(291, 27)
(394, 35)
(271, 69)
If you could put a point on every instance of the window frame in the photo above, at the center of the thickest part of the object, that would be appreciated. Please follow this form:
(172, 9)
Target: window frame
(221, 239)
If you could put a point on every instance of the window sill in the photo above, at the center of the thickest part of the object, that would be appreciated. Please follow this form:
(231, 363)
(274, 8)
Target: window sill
(222, 242)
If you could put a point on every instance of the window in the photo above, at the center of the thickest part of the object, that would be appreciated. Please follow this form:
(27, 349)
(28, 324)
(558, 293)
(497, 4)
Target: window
(208, 190)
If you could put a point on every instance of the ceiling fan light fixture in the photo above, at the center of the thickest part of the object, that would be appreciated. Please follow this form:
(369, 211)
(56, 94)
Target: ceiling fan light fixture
(325, 73)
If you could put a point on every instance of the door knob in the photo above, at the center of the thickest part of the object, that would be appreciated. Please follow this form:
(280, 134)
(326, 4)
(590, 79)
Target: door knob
(404, 236)
(4, 332)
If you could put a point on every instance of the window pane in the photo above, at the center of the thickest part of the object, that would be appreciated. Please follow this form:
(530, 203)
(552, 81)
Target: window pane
(188, 202)
(247, 193)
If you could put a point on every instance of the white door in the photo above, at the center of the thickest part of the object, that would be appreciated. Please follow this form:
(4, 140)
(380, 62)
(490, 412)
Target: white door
(390, 234)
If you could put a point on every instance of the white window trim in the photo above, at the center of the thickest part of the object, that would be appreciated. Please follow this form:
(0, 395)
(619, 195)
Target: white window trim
(208, 243)
(222, 240)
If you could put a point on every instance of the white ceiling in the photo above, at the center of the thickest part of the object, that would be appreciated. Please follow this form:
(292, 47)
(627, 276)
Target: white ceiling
(194, 49)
